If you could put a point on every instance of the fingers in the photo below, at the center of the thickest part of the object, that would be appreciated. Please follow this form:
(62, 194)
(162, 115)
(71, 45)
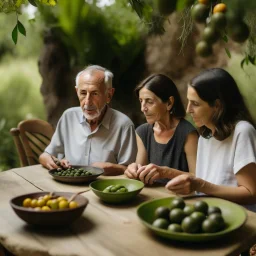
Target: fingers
(181, 184)
(128, 174)
(131, 171)
(65, 163)
(148, 174)
(153, 178)
(175, 182)
(51, 165)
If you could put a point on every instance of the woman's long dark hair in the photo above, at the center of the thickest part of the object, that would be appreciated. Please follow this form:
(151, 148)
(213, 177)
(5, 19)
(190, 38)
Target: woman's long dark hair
(217, 84)
(163, 87)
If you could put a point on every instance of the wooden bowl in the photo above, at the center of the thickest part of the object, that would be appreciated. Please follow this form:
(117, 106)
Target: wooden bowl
(80, 179)
(48, 218)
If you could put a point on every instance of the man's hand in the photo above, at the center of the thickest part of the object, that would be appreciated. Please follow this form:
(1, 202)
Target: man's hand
(47, 161)
(65, 163)
(151, 172)
(51, 162)
(183, 184)
(131, 171)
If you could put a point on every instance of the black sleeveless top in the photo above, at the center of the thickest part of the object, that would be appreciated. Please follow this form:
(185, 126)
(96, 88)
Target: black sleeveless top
(171, 154)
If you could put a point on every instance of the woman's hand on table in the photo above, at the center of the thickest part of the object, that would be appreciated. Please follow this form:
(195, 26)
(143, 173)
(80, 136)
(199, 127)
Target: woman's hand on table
(151, 172)
(183, 184)
(131, 171)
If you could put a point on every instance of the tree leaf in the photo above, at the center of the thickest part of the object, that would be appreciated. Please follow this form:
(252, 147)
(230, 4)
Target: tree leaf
(251, 59)
(33, 2)
(138, 7)
(228, 52)
(242, 63)
(225, 38)
(15, 34)
(246, 60)
(21, 28)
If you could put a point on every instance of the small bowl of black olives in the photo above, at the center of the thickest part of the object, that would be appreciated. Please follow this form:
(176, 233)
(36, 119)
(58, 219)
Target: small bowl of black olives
(76, 174)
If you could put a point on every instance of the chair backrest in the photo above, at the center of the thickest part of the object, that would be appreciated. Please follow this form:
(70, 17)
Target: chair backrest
(31, 139)
(15, 132)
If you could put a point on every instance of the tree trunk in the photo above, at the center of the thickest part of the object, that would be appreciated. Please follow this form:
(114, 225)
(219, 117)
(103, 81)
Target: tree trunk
(58, 84)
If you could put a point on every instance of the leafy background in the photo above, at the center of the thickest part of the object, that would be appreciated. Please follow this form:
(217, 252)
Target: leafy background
(20, 96)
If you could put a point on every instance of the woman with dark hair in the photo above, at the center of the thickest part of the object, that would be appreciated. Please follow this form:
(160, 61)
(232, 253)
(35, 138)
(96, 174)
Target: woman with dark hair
(226, 156)
(167, 139)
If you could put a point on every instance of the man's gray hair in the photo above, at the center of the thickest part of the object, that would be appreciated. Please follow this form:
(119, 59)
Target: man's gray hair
(108, 75)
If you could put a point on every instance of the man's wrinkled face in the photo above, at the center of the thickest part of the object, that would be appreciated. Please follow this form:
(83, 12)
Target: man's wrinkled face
(92, 94)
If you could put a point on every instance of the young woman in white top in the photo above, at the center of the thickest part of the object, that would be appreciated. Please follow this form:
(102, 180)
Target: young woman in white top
(226, 155)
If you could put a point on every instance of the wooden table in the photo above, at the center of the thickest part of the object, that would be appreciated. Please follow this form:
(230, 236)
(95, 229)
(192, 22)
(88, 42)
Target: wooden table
(103, 230)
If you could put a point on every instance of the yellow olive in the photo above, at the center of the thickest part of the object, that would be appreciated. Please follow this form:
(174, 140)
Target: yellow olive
(41, 202)
(54, 204)
(61, 198)
(73, 204)
(48, 203)
(33, 203)
(63, 204)
(47, 197)
(46, 208)
(27, 202)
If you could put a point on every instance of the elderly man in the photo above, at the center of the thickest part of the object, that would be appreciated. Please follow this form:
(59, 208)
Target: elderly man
(93, 134)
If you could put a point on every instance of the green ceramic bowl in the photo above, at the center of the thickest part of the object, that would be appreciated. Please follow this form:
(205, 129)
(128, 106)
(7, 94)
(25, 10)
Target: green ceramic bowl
(233, 214)
(134, 187)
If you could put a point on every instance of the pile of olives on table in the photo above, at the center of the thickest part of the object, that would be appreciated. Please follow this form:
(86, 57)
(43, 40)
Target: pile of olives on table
(115, 189)
(190, 218)
(48, 203)
(72, 172)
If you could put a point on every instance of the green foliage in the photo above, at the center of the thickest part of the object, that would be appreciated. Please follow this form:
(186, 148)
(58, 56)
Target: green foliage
(8, 6)
(27, 46)
(95, 35)
(20, 99)
(19, 28)
(245, 80)
(15, 34)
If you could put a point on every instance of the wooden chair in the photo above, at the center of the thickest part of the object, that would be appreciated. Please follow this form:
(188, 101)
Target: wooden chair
(31, 137)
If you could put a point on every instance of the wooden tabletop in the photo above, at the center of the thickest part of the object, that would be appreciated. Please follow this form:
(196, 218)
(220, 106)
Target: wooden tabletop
(103, 229)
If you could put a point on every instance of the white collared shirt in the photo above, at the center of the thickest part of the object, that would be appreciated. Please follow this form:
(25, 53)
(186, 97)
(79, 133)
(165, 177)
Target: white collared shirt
(112, 141)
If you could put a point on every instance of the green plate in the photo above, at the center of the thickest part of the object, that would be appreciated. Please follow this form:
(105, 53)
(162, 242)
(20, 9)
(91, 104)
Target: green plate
(233, 214)
(134, 187)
